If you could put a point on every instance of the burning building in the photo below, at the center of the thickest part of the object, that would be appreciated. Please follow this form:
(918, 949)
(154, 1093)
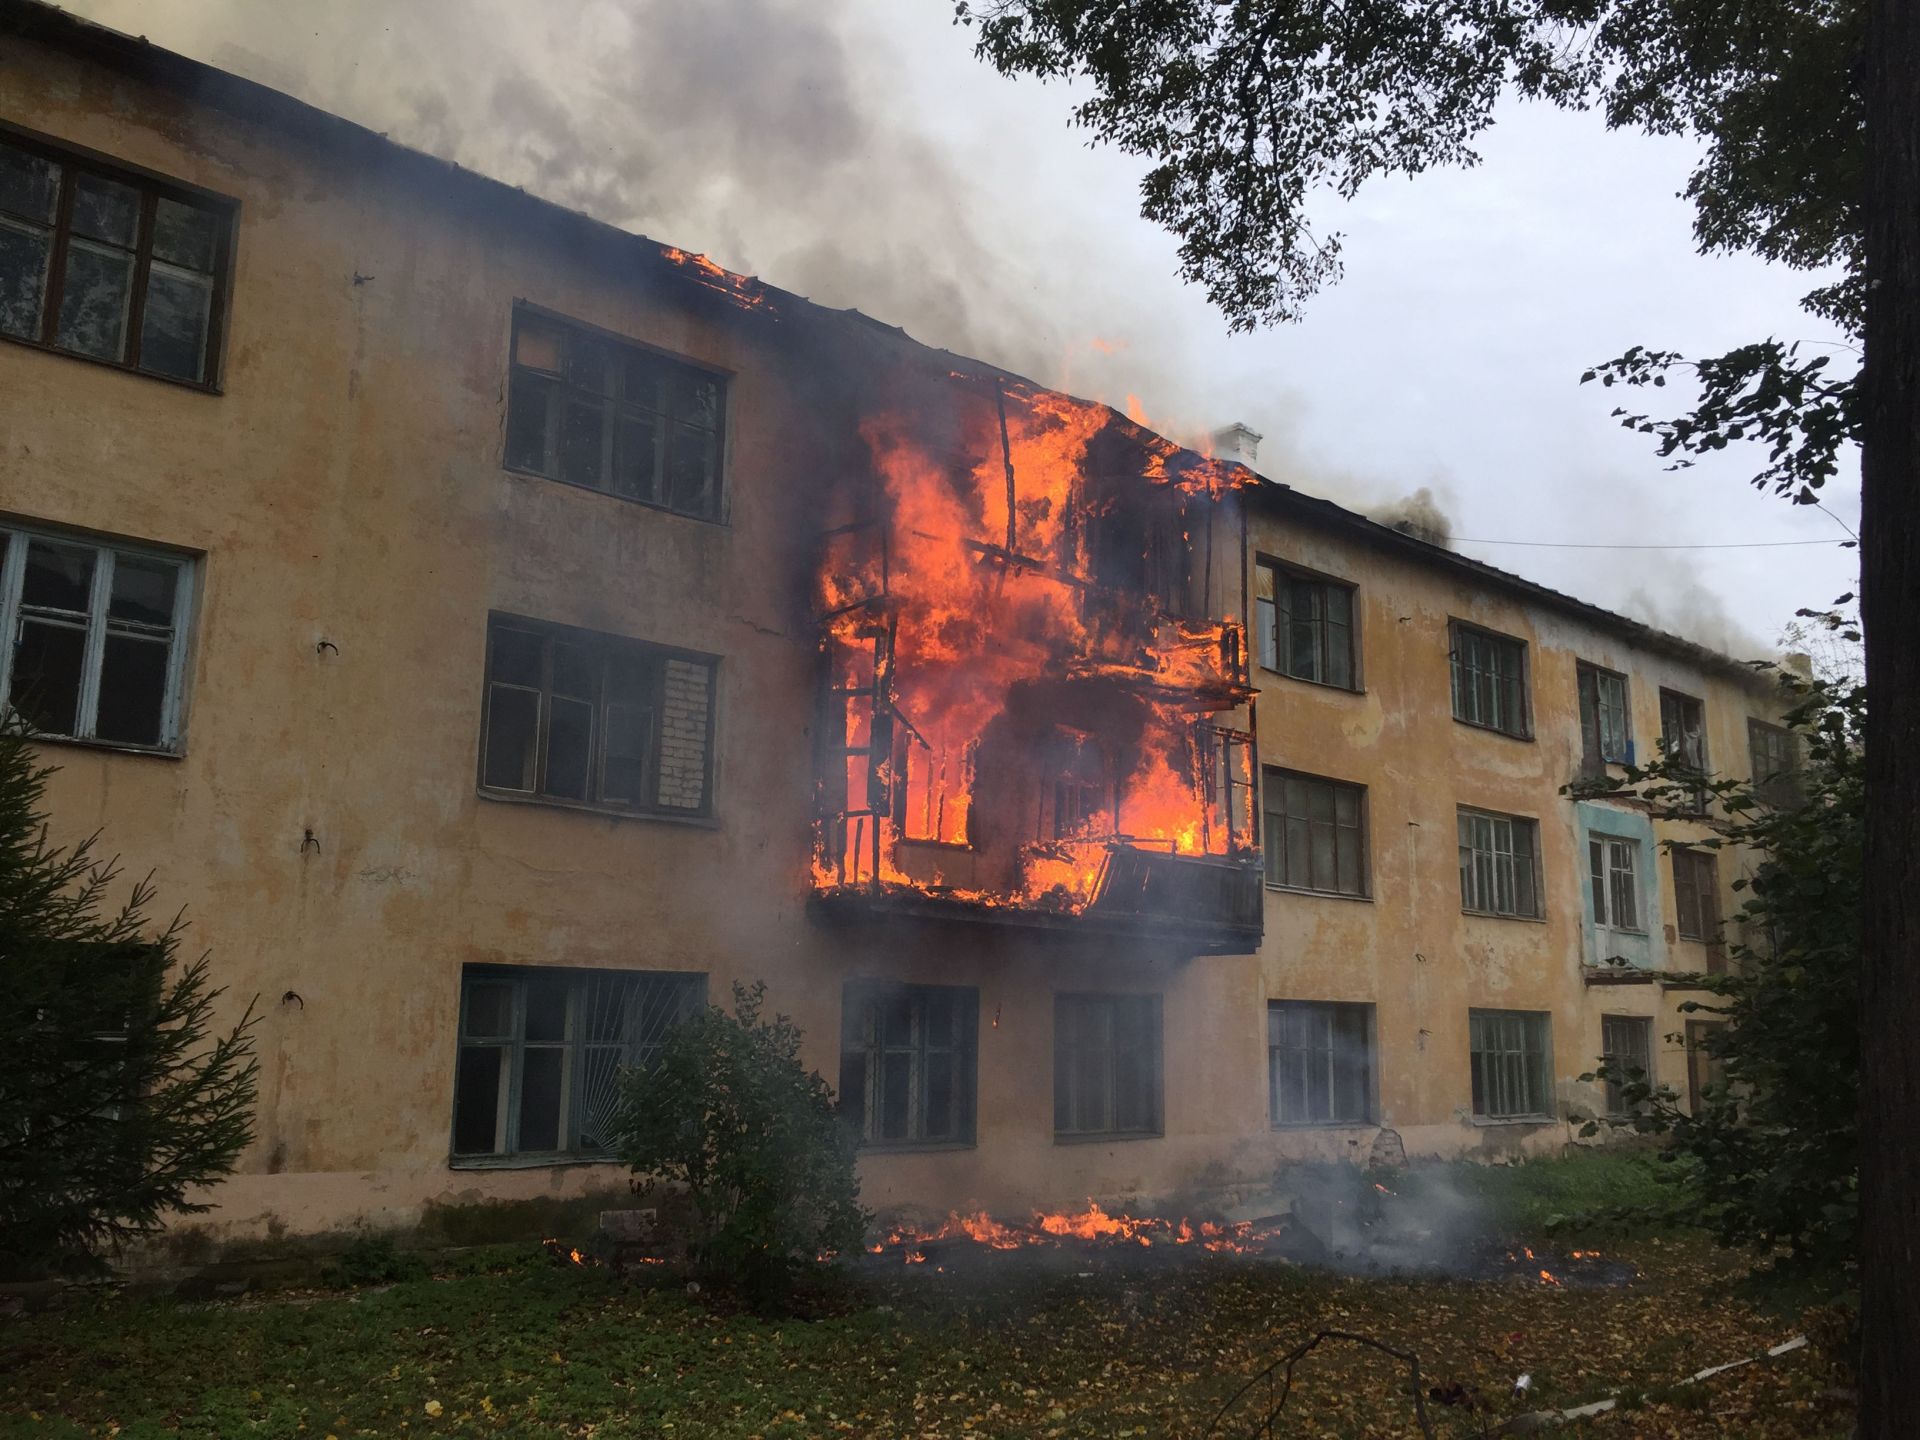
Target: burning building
(501, 632)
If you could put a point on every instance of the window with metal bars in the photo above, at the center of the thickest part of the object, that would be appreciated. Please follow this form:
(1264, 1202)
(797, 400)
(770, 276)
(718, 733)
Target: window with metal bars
(94, 638)
(109, 264)
(1499, 864)
(1106, 1065)
(541, 1053)
(1316, 834)
(1605, 725)
(1613, 867)
(1319, 1063)
(1512, 1054)
(907, 1068)
(1626, 1049)
(1490, 680)
(589, 409)
(1305, 626)
(581, 718)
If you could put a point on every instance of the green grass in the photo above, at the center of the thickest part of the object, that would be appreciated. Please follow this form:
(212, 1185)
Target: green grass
(1610, 1192)
(1005, 1347)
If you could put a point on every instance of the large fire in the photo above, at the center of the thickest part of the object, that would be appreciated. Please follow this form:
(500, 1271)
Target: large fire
(1091, 1225)
(1028, 653)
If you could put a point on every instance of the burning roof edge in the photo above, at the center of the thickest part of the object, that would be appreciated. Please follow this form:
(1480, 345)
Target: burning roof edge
(1314, 509)
(49, 24)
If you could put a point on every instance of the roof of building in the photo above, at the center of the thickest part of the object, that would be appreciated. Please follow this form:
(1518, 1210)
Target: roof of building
(206, 84)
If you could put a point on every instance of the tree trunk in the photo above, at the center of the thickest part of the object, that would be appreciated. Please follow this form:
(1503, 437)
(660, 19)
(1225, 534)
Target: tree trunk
(1890, 607)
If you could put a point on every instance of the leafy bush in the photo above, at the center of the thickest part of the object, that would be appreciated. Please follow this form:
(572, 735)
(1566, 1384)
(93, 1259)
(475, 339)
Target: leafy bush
(373, 1260)
(729, 1112)
(120, 1096)
(1775, 1142)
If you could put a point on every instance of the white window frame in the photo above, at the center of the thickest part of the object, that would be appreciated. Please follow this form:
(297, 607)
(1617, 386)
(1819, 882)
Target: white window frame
(1613, 876)
(13, 569)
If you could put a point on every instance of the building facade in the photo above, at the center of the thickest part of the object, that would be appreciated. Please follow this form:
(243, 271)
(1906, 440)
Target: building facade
(500, 632)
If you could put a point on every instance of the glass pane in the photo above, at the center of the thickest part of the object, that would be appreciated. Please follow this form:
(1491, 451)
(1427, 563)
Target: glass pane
(477, 1091)
(173, 323)
(489, 1008)
(23, 278)
(583, 443)
(29, 184)
(185, 235)
(1346, 805)
(133, 689)
(1324, 870)
(143, 590)
(513, 726)
(1340, 656)
(46, 676)
(600, 1082)
(629, 738)
(59, 577)
(637, 458)
(1299, 870)
(642, 377)
(105, 210)
(588, 364)
(516, 656)
(696, 399)
(542, 1086)
(690, 465)
(569, 748)
(576, 670)
(536, 344)
(942, 1122)
(1348, 842)
(93, 304)
(546, 1008)
(529, 404)
(896, 1094)
(896, 1019)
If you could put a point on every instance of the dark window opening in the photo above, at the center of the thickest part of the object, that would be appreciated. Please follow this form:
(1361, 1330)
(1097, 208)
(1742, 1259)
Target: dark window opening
(1319, 1063)
(1106, 1065)
(1512, 1054)
(1499, 864)
(1605, 726)
(1626, 1048)
(1696, 894)
(1305, 626)
(1775, 752)
(907, 1066)
(597, 412)
(1316, 834)
(591, 719)
(1490, 680)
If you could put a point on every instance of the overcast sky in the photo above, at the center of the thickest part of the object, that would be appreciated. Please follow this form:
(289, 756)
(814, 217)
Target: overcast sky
(855, 151)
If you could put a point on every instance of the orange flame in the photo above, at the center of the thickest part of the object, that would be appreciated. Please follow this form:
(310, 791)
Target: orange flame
(1093, 1224)
(742, 290)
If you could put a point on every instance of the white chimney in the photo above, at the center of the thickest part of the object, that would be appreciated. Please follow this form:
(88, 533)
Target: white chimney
(1237, 442)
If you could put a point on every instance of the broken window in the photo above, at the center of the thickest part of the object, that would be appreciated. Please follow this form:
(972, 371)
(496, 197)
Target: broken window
(541, 1051)
(1512, 1064)
(1490, 680)
(1082, 798)
(1316, 834)
(94, 637)
(1626, 1048)
(591, 719)
(596, 411)
(1305, 626)
(1499, 864)
(1696, 894)
(1319, 1063)
(1613, 867)
(907, 1063)
(1605, 733)
(1776, 763)
(1106, 1065)
(109, 264)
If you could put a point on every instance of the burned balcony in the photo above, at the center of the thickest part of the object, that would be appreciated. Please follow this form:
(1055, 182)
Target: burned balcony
(1033, 691)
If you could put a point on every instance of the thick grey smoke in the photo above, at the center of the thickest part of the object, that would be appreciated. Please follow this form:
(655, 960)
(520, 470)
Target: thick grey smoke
(1419, 515)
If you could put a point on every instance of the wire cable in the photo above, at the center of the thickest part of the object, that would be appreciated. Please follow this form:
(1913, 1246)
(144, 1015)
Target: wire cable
(1590, 545)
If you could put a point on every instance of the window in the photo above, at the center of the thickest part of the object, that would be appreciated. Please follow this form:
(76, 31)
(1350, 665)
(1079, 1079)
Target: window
(1319, 1063)
(94, 638)
(1626, 1047)
(1776, 763)
(1683, 729)
(1614, 871)
(1696, 895)
(1490, 680)
(103, 263)
(610, 415)
(1512, 1064)
(1316, 834)
(1499, 864)
(1106, 1065)
(541, 1053)
(1306, 626)
(590, 719)
(1706, 1070)
(1604, 729)
(907, 1063)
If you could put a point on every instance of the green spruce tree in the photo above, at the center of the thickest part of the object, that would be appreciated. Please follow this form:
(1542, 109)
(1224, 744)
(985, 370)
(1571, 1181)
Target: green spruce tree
(118, 1096)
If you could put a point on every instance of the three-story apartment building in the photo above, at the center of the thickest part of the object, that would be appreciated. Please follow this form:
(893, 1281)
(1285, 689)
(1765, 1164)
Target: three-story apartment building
(501, 632)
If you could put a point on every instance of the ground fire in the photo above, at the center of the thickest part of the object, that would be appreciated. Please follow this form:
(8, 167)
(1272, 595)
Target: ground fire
(1028, 662)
